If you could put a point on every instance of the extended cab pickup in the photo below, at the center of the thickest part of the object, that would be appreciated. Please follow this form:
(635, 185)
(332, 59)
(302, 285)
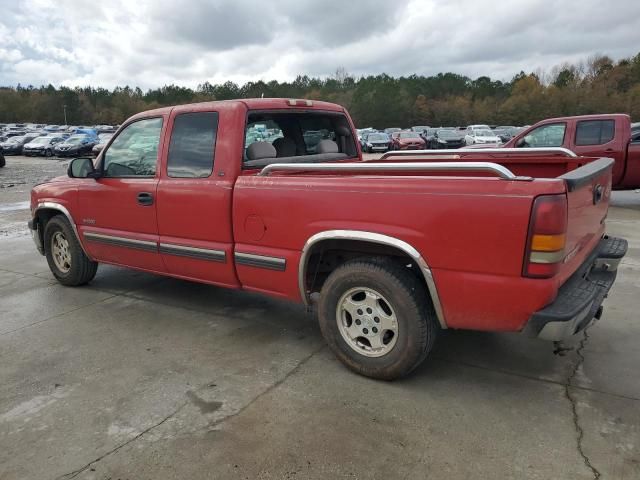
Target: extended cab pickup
(272, 196)
(590, 136)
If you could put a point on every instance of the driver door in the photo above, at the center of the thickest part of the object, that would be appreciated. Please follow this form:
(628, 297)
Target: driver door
(118, 210)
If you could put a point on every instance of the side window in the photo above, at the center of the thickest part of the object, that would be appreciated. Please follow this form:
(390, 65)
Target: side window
(635, 136)
(595, 132)
(134, 152)
(551, 135)
(192, 146)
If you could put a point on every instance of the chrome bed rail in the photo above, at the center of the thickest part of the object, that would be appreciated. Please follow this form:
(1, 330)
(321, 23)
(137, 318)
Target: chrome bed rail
(359, 167)
(454, 152)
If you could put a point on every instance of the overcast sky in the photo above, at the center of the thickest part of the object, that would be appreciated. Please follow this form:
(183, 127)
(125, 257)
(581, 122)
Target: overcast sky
(149, 43)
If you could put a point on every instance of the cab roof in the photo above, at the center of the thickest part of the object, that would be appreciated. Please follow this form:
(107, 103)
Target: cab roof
(248, 104)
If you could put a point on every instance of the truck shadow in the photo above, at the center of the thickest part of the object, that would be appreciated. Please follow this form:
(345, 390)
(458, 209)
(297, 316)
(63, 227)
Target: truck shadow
(502, 353)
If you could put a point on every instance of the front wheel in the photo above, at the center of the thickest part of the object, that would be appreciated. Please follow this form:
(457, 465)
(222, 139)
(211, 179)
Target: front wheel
(376, 317)
(48, 153)
(67, 261)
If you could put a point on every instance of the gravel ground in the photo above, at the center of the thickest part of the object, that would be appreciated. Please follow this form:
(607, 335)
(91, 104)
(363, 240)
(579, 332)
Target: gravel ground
(16, 180)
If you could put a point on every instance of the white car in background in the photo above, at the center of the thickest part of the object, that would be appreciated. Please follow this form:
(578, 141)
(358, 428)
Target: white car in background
(481, 136)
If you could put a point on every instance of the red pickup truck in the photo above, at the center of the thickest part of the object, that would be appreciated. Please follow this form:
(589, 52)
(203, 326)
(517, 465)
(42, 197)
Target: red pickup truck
(272, 196)
(591, 136)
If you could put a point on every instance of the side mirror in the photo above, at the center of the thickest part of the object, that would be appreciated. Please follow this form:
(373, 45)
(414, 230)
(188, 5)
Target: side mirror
(82, 168)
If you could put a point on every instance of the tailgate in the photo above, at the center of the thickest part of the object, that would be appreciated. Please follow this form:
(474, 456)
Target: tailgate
(588, 194)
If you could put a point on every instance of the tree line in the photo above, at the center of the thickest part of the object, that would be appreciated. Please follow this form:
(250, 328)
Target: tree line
(596, 85)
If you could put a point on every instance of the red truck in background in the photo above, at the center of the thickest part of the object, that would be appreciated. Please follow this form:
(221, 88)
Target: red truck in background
(390, 252)
(590, 136)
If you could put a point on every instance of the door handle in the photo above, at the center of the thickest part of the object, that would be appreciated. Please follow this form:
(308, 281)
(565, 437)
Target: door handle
(145, 198)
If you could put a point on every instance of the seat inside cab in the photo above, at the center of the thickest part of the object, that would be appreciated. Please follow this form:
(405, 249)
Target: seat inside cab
(297, 137)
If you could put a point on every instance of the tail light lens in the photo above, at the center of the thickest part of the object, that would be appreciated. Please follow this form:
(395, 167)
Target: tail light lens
(547, 237)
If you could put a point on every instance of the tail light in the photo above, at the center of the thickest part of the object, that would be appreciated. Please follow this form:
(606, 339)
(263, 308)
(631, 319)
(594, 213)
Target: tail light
(547, 237)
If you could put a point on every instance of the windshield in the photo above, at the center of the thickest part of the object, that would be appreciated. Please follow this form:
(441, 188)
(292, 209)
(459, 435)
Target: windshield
(483, 133)
(409, 135)
(40, 141)
(377, 137)
(15, 139)
(76, 139)
(447, 133)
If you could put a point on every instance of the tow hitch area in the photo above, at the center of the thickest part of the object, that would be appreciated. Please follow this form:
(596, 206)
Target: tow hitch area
(580, 299)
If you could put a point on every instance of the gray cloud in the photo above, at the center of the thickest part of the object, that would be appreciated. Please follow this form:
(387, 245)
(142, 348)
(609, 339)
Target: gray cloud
(154, 42)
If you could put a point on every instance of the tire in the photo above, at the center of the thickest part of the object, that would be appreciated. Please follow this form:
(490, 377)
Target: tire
(416, 327)
(80, 269)
(3, 162)
(48, 153)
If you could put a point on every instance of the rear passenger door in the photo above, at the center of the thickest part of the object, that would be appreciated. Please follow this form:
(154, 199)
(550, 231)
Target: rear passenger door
(601, 138)
(194, 203)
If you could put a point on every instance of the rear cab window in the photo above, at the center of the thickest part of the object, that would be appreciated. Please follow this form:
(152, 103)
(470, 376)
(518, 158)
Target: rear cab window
(595, 132)
(296, 137)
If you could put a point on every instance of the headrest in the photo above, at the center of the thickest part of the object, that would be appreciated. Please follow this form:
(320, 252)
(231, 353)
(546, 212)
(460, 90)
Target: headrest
(327, 146)
(258, 150)
(343, 131)
(285, 147)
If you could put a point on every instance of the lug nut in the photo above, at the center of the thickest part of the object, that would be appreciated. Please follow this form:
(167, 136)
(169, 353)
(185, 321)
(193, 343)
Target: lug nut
(369, 311)
(358, 322)
(374, 330)
(359, 311)
(365, 331)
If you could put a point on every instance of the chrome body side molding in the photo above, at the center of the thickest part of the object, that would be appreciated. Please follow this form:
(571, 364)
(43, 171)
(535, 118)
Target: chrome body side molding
(260, 261)
(193, 252)
(372, 238)
(121, 241)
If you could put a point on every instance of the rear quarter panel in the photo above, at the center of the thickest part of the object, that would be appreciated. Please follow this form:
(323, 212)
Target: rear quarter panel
(471, 232)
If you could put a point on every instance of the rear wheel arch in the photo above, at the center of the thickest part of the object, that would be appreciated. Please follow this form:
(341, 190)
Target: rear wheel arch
(326, 251)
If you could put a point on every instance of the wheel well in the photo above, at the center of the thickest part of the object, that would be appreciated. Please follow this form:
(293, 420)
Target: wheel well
(43, 216)
(325, 256)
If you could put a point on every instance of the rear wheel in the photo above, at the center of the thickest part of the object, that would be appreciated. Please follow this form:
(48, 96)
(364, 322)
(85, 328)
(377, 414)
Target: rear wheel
(377, 318)
(3, 162)
(48, 152)
(67, 261)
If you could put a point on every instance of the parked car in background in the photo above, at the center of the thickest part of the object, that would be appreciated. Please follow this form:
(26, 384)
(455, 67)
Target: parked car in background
(607, 135)
(391, 130)
(428, 136)
(376, 142)
(446, 138)
(102, 142)
(479, 126)
(75, 146)
(481, 136)
(419, 129)
(42, 146)
(14, 145)
(505, 133)
(407, 141)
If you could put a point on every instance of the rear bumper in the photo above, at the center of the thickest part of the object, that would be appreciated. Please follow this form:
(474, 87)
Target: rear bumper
(580, 299)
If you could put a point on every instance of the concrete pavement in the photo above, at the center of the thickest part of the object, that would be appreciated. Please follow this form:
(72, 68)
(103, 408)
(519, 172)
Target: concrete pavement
(138, 377)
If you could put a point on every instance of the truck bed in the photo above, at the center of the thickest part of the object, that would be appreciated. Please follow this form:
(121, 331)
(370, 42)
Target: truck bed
(471, 227)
